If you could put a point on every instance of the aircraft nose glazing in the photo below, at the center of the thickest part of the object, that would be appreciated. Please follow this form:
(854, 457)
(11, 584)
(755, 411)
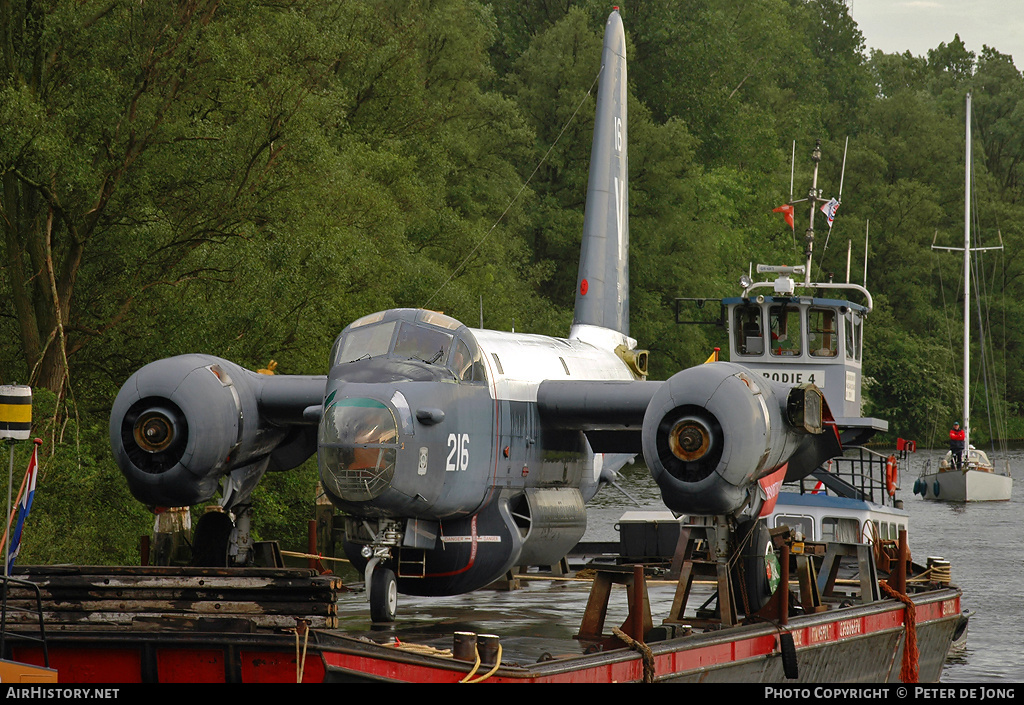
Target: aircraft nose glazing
(358, 448)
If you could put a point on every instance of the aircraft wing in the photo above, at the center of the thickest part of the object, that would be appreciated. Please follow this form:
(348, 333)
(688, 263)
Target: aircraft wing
(707, 434)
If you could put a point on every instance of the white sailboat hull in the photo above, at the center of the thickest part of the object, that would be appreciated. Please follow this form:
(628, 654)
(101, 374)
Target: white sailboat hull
(967, 486)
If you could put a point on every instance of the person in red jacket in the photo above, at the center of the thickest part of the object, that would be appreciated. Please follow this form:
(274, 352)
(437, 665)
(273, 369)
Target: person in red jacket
(956, 445)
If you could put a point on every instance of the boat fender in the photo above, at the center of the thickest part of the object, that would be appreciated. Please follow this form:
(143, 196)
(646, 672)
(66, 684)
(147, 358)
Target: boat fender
(935, 488)
(892, 475)
(788, 649)
(920, 487)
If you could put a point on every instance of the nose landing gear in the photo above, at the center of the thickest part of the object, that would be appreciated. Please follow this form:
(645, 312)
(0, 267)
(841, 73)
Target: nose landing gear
(381, 587)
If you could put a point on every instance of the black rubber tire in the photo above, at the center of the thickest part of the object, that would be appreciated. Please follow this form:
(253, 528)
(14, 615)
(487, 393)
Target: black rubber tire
(383, 595)
(750, 569)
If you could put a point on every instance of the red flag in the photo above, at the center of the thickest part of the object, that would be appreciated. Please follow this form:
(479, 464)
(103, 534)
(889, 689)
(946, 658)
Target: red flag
(787, 213)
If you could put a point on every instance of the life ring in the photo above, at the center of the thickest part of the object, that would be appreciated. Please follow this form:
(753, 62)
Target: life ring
(892, 475)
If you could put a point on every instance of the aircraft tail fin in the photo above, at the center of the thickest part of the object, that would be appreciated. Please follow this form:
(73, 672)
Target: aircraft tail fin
(602, 287)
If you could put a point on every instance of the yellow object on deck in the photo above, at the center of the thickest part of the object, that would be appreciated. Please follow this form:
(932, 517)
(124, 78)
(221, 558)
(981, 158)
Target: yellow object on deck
(14, 672)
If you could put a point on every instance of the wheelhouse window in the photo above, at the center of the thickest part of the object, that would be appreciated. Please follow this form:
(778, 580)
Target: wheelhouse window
(822, 332)
(853, 335)
(749, 328)
(840, 530)
(798, 524)
(786, 331)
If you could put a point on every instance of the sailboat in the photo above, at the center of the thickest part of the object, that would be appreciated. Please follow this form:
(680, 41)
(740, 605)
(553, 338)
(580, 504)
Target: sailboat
(975, 479)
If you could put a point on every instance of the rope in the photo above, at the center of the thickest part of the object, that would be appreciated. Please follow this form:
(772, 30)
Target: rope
(643, 649)
(494, 669)
(421, 649)
(908, 671)
(300, 658)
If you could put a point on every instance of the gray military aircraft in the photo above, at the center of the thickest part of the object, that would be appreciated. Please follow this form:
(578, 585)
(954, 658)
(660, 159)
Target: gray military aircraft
(458, 454)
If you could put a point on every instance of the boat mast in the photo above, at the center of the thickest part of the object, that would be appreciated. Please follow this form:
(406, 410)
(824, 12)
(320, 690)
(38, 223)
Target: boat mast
(967, 282)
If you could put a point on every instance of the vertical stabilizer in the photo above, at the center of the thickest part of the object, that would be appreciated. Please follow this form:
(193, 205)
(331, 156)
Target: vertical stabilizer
(602, 288)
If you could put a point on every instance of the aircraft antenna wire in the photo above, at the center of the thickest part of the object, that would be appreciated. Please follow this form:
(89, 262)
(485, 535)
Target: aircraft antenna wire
(518, 194)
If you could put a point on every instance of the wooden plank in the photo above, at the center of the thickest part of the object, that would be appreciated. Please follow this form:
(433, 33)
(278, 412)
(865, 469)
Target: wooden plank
(63, 620)
(170, 592)
(179, 607)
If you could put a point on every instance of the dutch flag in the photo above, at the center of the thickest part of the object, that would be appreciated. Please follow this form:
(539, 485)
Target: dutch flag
(28, 491)
(829, 209)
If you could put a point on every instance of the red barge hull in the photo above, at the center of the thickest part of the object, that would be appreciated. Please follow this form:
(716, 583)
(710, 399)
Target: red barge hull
(861, 643)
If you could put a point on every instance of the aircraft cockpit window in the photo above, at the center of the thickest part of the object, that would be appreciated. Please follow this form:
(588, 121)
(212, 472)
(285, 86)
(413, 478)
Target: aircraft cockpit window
(786, 332)
(422, 343)
(363, 342)
(467, 363)
(749, 330)
(438, 319)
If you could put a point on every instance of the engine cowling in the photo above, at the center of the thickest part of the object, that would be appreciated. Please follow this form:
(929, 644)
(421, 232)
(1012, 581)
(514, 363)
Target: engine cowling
(711, 431)
(179, 424)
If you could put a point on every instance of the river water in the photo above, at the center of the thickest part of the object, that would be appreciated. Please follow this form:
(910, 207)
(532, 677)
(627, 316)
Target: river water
(984, 543)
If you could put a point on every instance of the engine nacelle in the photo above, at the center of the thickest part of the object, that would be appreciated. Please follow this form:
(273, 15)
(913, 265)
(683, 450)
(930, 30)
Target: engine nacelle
(179, 424)
(711, 431)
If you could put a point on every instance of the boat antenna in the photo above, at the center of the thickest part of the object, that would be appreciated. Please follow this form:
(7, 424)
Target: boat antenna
(849, 254)
(812, 197)
(839, 199)
(792, 171)
(867, 226)
(842, 173)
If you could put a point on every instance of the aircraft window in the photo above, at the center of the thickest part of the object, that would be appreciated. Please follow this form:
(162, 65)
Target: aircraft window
(438, 319)
(358, 447)
(364, 341)
(822, 333)
(462, 362)
(366, 320)
(467, 362)
(786, 333)
(422, 343)
(401, 405)
(749, 330)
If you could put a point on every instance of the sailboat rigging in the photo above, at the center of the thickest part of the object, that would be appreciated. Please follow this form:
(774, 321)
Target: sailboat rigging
(973, 479)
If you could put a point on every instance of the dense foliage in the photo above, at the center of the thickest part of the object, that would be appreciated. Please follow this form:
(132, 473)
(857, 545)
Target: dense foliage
(243, 178)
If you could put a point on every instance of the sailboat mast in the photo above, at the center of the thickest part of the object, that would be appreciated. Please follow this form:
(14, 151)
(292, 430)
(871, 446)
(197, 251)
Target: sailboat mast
(967, 281)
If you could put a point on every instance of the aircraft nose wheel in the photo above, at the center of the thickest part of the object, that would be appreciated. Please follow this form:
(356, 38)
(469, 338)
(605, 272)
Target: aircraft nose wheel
(383, 590)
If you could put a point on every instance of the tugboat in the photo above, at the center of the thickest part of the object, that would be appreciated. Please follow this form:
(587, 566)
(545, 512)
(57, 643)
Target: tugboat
(798, 332)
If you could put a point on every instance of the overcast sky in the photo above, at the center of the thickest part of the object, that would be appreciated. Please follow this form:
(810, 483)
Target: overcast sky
(895, 26)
